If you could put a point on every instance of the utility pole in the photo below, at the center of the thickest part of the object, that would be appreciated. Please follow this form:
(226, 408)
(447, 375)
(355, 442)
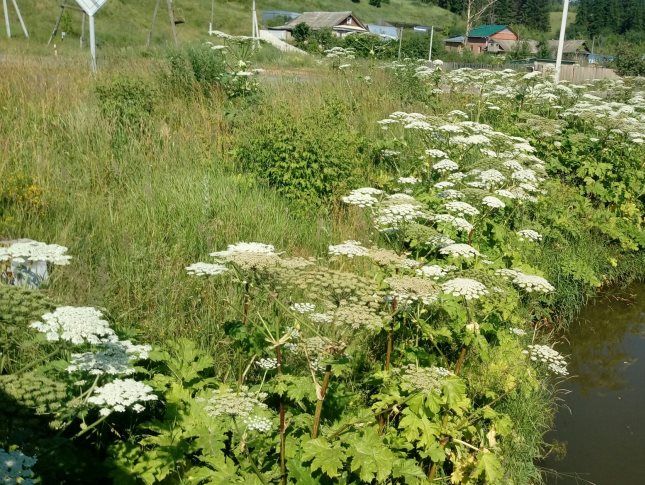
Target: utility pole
(563, 28)
(400, 41)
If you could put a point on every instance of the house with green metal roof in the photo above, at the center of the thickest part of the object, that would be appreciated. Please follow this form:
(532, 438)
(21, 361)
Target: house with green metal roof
(480, 38)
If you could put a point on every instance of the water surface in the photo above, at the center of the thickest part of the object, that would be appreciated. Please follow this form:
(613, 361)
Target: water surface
(604, 425)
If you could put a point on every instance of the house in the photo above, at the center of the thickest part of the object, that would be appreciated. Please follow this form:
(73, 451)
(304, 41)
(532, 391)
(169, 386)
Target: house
(508, 46)
(576, 50)
(341, 23)
(479, 38)
(386, 32)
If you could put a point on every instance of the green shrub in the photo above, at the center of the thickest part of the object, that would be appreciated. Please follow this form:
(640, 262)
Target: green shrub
(312, 159)
(129, 102)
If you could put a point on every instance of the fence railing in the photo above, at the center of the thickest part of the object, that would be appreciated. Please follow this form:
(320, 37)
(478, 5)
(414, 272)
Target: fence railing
(567, 72)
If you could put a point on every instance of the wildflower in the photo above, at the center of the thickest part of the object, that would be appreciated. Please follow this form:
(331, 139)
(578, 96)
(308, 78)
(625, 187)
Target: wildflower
(525, 175)
(466, 287)
(529, 235)
(408, 289)
(440, 241)
(476, 140)
(444, 185)
(227, 402)
(531, 283)
(303, 307)
(461, 208)
(400, 198)
(394, 214)
(458, 223)
(434, 153)
(426, 379)
(244, 248)
(493, 202)
(359, 199)
(390, 153)
(517, 331)
(451, 194)
(349, 249)
(386, 257)
(15, 467)
(507, 273)
(408, 180)
(321, 318)
(491, 177)
(462, 250)
(445, 165)
(267, 363)
(554, 361)
(75, 324)
(206, 269)
(506, 193)
(358, 316)
(113, 359)
(432, 271)
(258, 423)
(121, 394)
(34, 251)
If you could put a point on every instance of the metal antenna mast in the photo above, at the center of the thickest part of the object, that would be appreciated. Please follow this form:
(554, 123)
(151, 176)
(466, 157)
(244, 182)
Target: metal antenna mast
(20, 19)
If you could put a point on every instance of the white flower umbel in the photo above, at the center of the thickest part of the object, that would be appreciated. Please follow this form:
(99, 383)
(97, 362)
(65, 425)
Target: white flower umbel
(506, 193)
(529, 235)
(531, 283)
(507, 273)
(491, 178)
(434, 153)
(433, 271)
(359, 198)
(451, 194)
(554, 361)
(113, 359)
(206, 269)
(258, 423)
(267, 363)
(445, 165)
(458, 223)
(349, 249)
(517, 331)
(245, 247)
(393, 215)
(34, 251)
(493, 202)
(468, 288)
(121, 394)
(460, 250)
(75, 324)
(321, 317)
(461, 208)
(225, 401)
(303, 307)
(408, 180)
(444, 185)
(15, 468)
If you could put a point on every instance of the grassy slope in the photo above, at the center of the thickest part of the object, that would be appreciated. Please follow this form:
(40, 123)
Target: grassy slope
(126, 24)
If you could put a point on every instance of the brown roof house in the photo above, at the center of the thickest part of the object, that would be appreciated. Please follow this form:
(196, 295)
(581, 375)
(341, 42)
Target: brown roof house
(480, 38)
(341, 23)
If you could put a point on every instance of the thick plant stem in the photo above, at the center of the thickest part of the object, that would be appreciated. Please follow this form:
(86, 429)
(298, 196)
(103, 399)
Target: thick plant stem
(321, 399)
(444, 441)
(283, 456)
(247, 303)
(390, 346)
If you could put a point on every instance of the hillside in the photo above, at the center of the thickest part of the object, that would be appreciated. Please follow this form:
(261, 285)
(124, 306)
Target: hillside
(123, 24)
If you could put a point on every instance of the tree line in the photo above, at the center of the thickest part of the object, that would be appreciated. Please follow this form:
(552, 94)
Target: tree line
(594, 17)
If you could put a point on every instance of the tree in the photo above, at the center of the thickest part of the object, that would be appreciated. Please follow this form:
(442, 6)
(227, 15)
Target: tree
(301, 32)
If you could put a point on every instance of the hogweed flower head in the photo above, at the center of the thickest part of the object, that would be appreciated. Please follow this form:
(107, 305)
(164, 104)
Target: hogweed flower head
(121, 394)
(460, 250)
(349, 249)
(493, 202)
(75, 324)
(206, 269)
(244, 247)
(408, 180)
(531, 283)
(445, 165)
(303, 307)
(468, 288)
(434, 271)
(258, 423)
(34, 251)
(428, 379)
(461, 208)
(554, 361)
(409, 289)
(529, 235)
(267, 363)
(113, 359)
(228, 402)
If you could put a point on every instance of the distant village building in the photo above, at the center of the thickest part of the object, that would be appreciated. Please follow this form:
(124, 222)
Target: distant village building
(480, 38)
(341, 23)
(384, 31)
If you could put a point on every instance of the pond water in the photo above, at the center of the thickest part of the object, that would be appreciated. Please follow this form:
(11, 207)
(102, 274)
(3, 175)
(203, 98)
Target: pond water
(603, 423)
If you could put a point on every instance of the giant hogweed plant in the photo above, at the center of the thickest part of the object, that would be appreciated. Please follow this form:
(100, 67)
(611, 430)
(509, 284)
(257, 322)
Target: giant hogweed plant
(357, 367)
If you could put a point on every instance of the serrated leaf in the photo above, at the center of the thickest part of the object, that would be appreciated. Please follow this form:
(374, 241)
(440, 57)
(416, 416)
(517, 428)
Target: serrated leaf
(409, 471)
(370, 457)
(329, 459)
(488, 467)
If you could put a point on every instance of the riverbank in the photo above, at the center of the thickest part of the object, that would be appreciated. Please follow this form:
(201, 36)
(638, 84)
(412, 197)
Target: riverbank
(143, 171)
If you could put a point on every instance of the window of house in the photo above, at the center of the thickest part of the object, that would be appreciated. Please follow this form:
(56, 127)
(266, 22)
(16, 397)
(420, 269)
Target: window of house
(349, 21)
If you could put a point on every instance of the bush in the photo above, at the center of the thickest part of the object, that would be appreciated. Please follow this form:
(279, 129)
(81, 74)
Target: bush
(126, 101)
(630, 61)
(311, 160)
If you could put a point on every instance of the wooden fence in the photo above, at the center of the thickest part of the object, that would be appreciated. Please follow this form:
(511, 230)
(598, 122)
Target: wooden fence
(567, 72)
